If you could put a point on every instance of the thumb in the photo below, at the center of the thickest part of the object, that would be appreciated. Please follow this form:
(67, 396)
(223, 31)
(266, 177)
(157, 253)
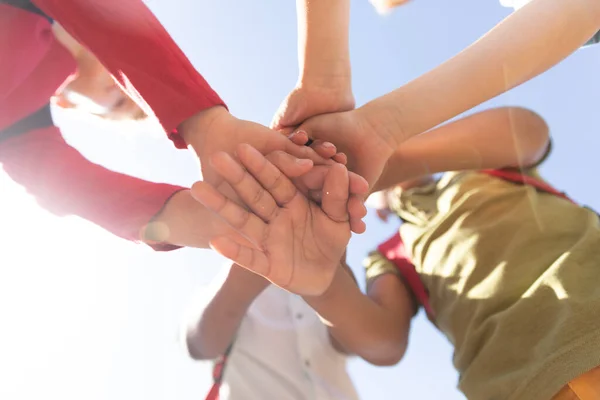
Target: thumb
(319, 127)
(291, 113)
(284, 114)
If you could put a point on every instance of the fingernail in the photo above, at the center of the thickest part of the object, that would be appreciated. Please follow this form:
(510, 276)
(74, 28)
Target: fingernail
(328, 145)
(302, 161)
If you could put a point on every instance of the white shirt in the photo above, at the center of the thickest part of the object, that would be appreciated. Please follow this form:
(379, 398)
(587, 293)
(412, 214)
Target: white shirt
(282, 351)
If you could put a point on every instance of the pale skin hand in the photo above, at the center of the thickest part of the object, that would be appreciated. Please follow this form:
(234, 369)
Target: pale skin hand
(185, 222)
(297, 245)
(522, 46)
(358, 134)
(324, 84)
(215, 129)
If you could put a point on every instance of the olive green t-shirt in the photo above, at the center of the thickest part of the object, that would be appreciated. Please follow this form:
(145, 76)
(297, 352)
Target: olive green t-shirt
(513, 276)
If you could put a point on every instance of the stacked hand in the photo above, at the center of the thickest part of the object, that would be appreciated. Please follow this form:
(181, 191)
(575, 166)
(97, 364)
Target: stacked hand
(366, 143)
(292, 241)
(326, 115)
(216, 130)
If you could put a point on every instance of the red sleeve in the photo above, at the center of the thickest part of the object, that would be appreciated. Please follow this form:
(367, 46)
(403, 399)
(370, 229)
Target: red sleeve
(395, 251)
(32, 64)
(138, 51)
(65, 183)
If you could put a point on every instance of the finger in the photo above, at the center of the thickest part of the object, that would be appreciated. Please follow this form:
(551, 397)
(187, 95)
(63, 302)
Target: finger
(252, 194)
(358, 184)
(285, 130)
(298, 147)
(289, 165)
(246, 223)
(315, 178)
(341, 158)
(305, 152)
(356, 211)
(299, 137)
(335, 193)
(324, 149)
(267, 174)
(249, 258)
(358, 226)
(356, 207)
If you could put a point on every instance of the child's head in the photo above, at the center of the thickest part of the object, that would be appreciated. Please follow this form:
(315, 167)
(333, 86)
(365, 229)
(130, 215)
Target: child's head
(94, 90)
(382, 201)
(379, 201)
(384, 6)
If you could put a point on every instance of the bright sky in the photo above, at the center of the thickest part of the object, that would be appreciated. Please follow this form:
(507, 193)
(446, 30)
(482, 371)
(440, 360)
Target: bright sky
(87, 316)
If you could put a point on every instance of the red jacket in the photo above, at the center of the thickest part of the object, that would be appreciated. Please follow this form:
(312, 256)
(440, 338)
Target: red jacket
(137, 50)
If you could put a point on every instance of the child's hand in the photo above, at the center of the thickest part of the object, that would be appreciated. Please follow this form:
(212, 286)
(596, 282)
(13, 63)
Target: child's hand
(365, 142)
(297, 244)
(215, 130)
(309, 100)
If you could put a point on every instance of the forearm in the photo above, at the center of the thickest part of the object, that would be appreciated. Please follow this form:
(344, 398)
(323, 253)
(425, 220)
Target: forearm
(371, 331)
(138, 51)
(323, 48)
(209, 335)
(525, 44)
(496, 138)
(185, 222)
(65, 183)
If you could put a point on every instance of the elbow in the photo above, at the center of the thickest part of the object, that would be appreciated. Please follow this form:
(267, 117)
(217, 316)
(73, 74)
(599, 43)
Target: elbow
(532, 134)
(387, 360)
(388, 354)
(196, 347)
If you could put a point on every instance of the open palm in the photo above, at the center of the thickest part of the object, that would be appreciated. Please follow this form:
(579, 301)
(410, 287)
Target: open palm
(296, 244)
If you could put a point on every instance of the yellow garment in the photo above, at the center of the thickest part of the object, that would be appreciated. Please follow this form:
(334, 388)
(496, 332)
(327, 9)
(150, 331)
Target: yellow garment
(513, 276)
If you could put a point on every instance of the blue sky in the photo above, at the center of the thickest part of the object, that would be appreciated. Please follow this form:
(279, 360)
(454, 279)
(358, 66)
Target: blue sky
(86, 315)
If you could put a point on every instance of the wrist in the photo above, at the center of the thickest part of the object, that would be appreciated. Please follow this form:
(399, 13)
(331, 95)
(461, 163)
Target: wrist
(384, 120)
(198, 127)
(248, 285)
(337, 286)
(183, 222)
(326, 76)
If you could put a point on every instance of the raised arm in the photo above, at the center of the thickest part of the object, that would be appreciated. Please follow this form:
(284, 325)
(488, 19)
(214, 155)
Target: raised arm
(212, 328)
(525, 44)
(136, 49)
(65, 183)
(496, 138)
(324, 82)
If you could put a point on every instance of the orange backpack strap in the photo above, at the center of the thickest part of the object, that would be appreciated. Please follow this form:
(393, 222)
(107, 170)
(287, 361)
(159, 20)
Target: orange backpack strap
(217, 374)
(393, 249)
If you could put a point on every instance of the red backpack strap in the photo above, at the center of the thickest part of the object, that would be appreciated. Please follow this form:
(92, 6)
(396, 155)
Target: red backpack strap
(519, 177)
(393, 249)
(217, 375)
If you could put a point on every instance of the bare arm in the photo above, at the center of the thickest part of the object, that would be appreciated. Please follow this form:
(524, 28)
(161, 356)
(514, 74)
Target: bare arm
(323, 49)
(210, 333)
(377, 328)
(522, 46)
(334, 342)
(324, 84)
(496, 138)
